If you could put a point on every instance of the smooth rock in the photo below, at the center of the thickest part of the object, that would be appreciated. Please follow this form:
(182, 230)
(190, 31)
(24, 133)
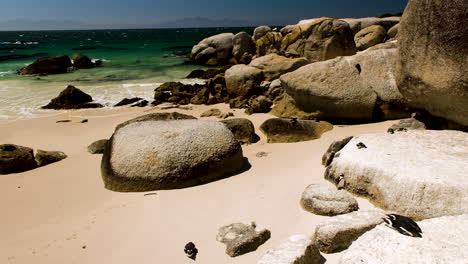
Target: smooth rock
(338, 233)
(273, 65)
(127, 101)
(327, 200)
(432, 72)
(170, 154)
(298, 249)
(215, 50)
(242, 80)
(44, 158)
(15, 159)
(283, 130)
(286, 108)
(359, 87)
(370, 36)
(243, 130)
(98, 147)
(242, 238)
(418, 173)
(444, 240)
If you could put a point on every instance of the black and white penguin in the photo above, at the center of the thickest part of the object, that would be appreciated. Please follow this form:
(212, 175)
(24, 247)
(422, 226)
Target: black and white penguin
(191, 251)
(403, 225)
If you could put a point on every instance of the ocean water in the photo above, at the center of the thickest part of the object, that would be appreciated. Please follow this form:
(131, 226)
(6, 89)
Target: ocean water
(135, 63)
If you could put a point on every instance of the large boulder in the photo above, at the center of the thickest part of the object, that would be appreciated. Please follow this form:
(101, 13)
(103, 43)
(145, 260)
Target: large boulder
(215, 50)
(72, 98)
(370, 36)
(283, 130)
(44, 158)
(242, 43)
(260, 104)
(359, 87)
(432, 71)
(273, 65)
(170, 154)
(14, 159)
(241, 238)
(444, 240)
(418, 173)
(339, 232)
(243, 80)
(286, 108)
(358, 24)
(260, 32)
(243, 130)
(81, 61)
(320, 40)
(48, 65)
(298, 249)
(327, 200)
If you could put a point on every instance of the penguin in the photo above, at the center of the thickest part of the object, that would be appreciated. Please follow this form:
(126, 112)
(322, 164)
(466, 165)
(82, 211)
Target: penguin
(403, 225)
(190, 250)
(340, 182)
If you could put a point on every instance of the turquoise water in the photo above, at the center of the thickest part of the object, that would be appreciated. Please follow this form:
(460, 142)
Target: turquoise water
(135, 62)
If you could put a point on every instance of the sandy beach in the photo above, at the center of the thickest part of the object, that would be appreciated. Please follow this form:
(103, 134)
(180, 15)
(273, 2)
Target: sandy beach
(61, 213)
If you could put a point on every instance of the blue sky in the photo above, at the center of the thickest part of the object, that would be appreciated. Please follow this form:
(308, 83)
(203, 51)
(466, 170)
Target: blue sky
(63, 14)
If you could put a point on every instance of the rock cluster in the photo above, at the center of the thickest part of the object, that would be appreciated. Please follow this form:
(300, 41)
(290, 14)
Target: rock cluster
(58, 64)
(15, 159)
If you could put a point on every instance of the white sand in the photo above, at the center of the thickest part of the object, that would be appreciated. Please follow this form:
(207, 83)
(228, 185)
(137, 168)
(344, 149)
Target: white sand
(49, 214)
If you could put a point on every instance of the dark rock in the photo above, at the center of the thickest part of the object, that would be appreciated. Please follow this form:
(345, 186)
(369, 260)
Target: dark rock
(206, 74)
(201, 97)
(282, 130)
(44, 158)
(239, 102)
(127, 101)
(143, 103)
(14, 159)
(72, 98)
(81, 61)
(98, 147)
(48, 65)
(242, 238)
(63, 121)
(84, 121)
(243, 130)
(259, 104)
(176, 92)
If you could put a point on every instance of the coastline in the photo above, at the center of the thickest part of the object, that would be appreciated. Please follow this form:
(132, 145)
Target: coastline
(118, 227)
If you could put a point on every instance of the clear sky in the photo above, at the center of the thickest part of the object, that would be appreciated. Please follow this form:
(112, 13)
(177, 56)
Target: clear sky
(74, 14)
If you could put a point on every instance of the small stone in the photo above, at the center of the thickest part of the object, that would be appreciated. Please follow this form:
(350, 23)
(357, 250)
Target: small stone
(44, 158)
(98, 147)
(212, 112)
(242, 238)
(261, 154)
(327, 200)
